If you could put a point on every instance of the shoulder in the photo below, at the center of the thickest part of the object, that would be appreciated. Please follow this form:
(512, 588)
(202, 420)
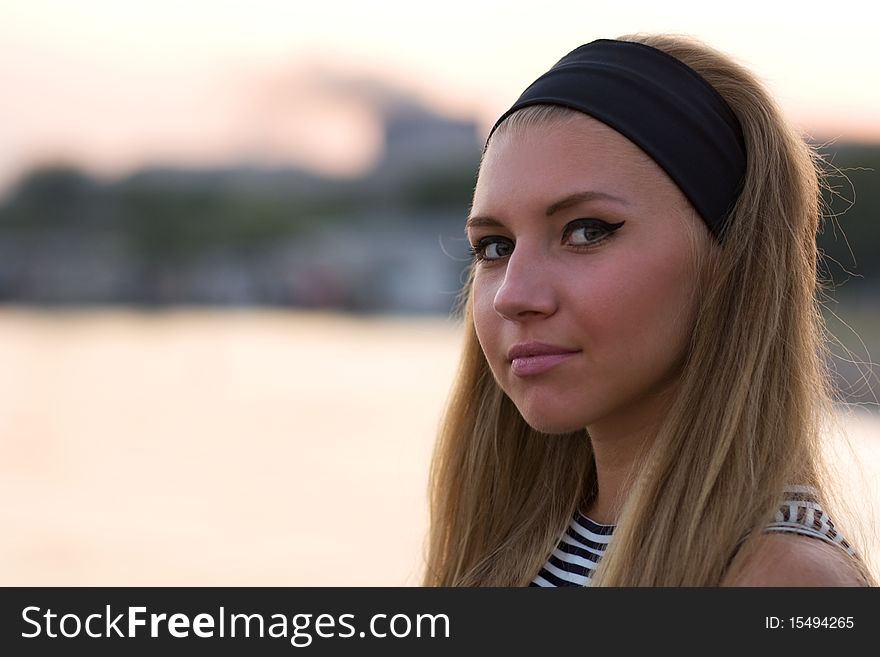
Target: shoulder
(787, 560)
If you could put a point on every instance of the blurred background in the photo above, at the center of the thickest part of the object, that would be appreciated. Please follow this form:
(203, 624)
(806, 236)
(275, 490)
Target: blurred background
(230, 238)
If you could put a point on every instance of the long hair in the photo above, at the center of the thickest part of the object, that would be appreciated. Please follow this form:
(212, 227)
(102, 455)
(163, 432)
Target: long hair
(749, 416)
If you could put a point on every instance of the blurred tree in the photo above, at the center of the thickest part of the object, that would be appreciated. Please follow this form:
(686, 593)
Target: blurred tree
(850, 235)
(174, 217)
(52, 195)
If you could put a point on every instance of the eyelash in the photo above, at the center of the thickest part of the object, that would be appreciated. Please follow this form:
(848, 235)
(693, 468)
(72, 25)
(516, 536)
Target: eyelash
(478, 250)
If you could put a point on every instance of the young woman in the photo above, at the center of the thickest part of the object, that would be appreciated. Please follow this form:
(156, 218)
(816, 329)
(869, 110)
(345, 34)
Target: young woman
(642, 395)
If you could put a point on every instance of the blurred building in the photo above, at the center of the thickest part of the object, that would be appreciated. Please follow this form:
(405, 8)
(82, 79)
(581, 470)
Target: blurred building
(418, 141)
(391, 241)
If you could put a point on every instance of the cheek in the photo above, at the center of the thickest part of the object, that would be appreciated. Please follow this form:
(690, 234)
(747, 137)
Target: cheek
(486, 320)
(644, 316)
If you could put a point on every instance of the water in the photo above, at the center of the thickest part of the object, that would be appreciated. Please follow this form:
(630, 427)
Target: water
(225, 448)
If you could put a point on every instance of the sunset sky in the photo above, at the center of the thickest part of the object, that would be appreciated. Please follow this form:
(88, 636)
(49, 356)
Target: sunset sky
(114, 85)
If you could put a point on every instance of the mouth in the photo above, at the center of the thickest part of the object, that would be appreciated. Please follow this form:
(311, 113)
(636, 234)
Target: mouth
(533, 358)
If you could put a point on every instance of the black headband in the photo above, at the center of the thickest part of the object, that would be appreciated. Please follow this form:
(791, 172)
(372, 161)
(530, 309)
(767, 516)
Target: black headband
(660, 104)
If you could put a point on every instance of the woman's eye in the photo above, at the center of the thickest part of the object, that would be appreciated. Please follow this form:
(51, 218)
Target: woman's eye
(492, 248)
(587, 232)
(583, 232)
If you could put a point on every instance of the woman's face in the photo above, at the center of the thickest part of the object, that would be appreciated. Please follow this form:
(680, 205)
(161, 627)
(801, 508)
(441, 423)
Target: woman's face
(585, 270)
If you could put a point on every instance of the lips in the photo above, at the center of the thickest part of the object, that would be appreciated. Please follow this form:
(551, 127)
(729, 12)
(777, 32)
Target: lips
(532, 358)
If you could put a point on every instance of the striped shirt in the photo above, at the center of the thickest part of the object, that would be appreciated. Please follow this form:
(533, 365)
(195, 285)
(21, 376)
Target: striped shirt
(583, 543)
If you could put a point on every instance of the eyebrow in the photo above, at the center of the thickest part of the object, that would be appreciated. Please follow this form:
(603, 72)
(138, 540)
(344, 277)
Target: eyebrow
(561, 204)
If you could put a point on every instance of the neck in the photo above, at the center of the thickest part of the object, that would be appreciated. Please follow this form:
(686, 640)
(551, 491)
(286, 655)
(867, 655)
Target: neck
(619, 441)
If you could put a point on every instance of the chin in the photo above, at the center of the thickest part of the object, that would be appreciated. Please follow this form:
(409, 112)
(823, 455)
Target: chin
(550, 414)
(552, 424)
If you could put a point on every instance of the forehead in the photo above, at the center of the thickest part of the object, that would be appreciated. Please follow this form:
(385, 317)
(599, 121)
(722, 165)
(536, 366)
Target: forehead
(540, 163)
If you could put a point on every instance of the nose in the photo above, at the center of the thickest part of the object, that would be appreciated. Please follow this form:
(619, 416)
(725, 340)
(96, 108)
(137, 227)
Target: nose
(527, 289)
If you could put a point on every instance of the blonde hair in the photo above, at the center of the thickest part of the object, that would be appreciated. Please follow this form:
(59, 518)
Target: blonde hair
(748, 419)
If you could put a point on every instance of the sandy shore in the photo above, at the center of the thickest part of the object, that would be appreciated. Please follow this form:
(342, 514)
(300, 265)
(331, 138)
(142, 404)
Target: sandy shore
(226, 448)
